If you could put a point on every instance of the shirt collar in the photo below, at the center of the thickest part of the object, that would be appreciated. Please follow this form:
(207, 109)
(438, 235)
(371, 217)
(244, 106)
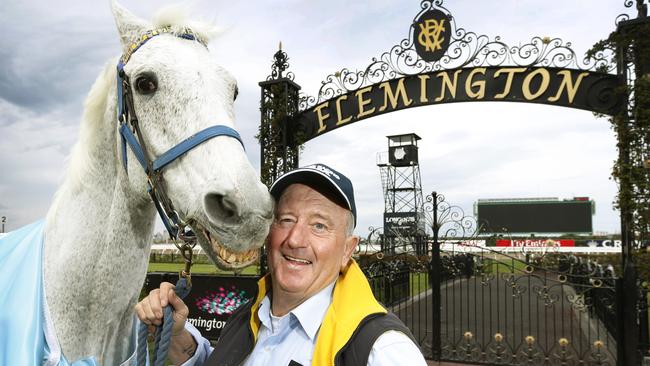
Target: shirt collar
(264, 312)
(309, 314)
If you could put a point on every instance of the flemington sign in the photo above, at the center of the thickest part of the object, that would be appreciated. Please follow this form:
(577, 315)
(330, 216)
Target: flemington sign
(555, 86)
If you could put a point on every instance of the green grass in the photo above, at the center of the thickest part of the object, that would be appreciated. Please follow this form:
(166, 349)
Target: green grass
(419, 283)
(198, 268)
(504, 266)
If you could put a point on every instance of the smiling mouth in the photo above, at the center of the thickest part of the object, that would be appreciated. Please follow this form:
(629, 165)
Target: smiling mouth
(297, 260)
(228, 257)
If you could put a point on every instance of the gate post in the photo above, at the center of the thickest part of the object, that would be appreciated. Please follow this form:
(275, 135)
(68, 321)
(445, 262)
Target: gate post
(435, 280)
(633, 66)
(641, 223)
(278, 103)
(279, 147)
(627, 337)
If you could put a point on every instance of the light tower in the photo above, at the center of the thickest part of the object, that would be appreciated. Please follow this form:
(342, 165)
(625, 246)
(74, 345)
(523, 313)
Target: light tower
(404, 222)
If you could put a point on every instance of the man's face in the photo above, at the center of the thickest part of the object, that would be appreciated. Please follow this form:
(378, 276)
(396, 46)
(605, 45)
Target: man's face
(308, 245)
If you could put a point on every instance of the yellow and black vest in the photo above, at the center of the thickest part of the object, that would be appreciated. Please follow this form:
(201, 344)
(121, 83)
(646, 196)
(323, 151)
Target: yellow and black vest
(352, 324)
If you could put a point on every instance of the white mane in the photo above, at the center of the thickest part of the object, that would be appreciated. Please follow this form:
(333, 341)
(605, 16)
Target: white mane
(177, 16)
(81, 165)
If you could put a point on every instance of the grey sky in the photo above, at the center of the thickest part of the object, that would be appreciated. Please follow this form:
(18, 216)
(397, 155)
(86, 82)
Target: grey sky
(52, 52)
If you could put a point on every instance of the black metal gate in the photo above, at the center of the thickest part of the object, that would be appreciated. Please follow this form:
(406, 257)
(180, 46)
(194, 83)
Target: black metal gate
(471, 303)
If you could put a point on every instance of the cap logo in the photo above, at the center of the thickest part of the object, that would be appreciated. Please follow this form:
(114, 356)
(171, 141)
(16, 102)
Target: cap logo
(327, 171)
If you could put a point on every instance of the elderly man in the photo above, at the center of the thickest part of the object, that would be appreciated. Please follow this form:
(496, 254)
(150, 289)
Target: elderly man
(315, 306)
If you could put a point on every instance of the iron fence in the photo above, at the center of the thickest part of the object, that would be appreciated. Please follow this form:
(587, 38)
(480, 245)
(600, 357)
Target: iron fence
(474, 304)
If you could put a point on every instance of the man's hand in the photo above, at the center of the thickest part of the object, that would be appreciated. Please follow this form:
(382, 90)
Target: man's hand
(150, 312)
(150, 309)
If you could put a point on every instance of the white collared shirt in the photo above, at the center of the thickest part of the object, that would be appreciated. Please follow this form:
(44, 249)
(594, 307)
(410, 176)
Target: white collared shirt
(293, 338)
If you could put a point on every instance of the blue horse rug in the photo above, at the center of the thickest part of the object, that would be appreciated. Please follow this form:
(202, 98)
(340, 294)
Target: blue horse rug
(26, 331)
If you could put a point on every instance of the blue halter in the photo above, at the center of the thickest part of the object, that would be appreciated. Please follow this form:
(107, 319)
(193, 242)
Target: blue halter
(131, 135)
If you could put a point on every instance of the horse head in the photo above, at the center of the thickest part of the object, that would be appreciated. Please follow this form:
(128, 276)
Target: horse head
(174, 89)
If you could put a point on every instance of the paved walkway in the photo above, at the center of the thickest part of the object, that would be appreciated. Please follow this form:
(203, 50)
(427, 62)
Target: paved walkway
(512, 308)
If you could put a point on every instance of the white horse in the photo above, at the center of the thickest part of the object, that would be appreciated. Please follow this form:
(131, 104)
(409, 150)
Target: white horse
(98, 231)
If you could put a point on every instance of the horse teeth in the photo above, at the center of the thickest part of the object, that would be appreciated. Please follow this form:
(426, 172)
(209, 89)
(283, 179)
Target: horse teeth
(230, 257)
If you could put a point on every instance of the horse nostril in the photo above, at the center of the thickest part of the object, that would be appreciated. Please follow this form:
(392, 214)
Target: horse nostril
(221, 207)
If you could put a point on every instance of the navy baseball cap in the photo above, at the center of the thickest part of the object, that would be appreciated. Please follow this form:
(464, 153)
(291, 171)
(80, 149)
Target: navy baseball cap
(322, 178)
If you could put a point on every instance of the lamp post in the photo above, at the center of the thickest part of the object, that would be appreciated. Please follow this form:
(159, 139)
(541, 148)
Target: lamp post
(4, 219)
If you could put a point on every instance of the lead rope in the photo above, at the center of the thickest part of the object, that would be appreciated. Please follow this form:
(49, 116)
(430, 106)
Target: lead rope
(164, 331)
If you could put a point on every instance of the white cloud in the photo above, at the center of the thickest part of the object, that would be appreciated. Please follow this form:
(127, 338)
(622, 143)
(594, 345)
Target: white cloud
(32, 159)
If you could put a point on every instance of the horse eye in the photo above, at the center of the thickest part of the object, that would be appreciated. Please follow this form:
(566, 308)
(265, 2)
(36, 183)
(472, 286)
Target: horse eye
(146, 84)
(236, 93)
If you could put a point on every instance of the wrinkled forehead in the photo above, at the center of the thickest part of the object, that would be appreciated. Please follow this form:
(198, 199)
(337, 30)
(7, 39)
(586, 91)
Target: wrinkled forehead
(304, 195)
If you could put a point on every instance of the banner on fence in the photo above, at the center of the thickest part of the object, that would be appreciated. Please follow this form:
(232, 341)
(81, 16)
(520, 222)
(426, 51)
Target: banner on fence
(535, 243)
(212, 299)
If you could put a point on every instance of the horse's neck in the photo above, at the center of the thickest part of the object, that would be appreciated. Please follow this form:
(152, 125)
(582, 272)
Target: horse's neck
(97, 239)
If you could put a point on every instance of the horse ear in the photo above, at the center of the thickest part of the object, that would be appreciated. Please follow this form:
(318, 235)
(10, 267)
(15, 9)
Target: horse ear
(128, 25)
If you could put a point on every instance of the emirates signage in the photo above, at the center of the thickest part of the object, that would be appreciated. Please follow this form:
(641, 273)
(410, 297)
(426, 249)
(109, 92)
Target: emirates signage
(536, 243)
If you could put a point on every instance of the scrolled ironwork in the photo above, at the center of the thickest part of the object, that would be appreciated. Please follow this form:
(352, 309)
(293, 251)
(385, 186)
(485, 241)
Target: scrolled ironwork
(367, 244)
(641, 8)
(563, 354)
(466, 49)
(598, 355)
(486, 278)
(497, 350)
(464, 348)
(621, 18)
(547, 296)
(279, 66)
(469, 348)
(451, 219)
(511, 281)
(529, 353)
(579, 302)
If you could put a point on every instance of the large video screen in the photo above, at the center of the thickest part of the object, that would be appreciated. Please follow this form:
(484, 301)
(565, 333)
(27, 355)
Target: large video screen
(535, 217)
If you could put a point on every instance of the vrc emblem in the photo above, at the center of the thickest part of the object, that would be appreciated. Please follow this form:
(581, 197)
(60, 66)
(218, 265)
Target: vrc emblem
(431, 33)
